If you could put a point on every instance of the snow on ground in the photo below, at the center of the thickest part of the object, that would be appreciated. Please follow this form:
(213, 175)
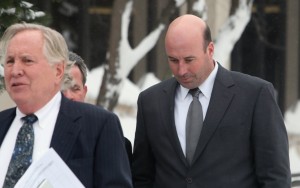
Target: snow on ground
(126, 109)
(294, 160)
(292, 119)
(127, 100)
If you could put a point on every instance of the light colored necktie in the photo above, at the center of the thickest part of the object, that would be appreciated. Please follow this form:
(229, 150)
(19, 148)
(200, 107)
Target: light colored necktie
(22, 154)
(194, 123)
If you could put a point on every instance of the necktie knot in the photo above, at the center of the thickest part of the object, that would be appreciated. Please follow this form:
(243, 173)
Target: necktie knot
(195, 92)
(29, 119)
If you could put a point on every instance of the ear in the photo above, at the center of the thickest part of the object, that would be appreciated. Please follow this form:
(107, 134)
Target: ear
(59, 71)
(210, 49)
(85, 90)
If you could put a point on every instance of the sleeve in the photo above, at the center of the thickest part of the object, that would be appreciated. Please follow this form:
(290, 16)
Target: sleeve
(112, 166)
(270, 142)
(143, 166)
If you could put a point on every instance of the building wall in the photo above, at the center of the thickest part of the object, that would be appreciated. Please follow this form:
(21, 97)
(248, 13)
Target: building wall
(292, 53)
(5, 101)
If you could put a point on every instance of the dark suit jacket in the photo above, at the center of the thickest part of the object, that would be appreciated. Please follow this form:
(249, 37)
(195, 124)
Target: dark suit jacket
(243, 143)
(90, 140)
(128, 147)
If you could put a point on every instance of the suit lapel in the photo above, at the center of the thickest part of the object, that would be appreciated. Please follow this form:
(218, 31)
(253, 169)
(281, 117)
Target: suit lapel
(6, 118)
(66, 129)
(65, 132)
(220, 100)
(170, 91)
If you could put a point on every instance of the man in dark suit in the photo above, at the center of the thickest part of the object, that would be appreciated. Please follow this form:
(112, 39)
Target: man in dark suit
(243, 142)
(76, 90)
(75, 87)
(88, 138)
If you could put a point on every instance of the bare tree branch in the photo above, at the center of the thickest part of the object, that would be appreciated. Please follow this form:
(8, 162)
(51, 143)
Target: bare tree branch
(232, 31)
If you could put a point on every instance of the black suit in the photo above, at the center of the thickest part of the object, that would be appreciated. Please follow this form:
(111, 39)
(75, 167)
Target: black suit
(243, 143)
(90, 140)
(128, 147)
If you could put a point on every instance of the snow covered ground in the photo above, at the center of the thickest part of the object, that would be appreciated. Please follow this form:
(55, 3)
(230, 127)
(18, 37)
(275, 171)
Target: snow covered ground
(292, 121)
(126, 110)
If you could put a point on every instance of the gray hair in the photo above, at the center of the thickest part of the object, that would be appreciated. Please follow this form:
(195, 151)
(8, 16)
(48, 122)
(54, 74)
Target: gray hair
(74, 60)
(55, 47)
(79, 62)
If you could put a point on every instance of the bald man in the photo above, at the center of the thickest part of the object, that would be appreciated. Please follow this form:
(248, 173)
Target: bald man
(240, 138)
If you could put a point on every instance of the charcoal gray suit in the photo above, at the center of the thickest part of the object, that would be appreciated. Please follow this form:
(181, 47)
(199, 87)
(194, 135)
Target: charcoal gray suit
(243, 143)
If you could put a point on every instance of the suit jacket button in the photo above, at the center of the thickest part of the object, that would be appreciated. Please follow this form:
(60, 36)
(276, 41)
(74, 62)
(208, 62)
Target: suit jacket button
(189, 180)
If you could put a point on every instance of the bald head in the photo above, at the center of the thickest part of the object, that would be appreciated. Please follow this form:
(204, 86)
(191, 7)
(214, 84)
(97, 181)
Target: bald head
(189, 50)
(189, 28)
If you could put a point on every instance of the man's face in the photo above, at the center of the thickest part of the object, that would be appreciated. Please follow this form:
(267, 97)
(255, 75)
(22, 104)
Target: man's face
(29, 79)
(188, 61)
(78, 90)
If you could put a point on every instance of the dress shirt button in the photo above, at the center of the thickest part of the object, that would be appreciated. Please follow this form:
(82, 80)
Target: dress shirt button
(189, 180)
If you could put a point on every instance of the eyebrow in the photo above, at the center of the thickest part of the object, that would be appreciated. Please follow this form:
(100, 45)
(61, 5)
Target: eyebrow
(187, 57)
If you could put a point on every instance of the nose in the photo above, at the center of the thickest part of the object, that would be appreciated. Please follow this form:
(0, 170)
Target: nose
(17, 69)
(182, 69)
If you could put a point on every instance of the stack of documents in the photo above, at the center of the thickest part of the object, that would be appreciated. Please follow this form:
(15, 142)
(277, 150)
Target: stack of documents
(50, 171)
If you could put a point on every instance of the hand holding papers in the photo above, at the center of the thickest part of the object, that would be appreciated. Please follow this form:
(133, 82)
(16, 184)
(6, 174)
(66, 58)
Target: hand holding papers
(49, 172)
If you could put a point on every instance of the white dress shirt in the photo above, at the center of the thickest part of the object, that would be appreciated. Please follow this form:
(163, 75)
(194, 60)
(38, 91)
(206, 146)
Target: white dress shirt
(43, 130)
(183, 100)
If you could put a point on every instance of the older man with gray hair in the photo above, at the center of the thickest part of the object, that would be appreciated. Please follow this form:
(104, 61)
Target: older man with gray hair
(89, 139)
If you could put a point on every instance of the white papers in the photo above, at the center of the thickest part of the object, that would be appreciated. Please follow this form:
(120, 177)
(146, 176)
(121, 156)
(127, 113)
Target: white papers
(49, 171)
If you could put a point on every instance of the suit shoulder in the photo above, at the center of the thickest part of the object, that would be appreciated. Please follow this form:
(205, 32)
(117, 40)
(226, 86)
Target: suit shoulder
(248, 80)
(159, 86)
(8, 112)
(86, 109)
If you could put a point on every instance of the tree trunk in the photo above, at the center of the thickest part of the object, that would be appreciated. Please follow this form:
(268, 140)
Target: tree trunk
(112, 81)
(109, 90)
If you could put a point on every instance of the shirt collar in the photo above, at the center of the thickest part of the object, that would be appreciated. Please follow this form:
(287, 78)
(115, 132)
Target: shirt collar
(206, 87)
(19, 115)
(42, 113)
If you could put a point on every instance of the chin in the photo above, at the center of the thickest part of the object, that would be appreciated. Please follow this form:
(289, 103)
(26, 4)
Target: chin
(19, 98)
(188, 85)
